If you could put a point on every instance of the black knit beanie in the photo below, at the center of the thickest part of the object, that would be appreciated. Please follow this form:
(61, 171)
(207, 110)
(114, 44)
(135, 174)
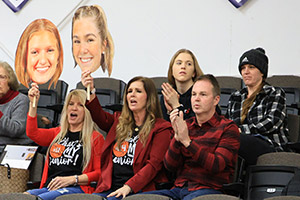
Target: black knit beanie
(256, 57)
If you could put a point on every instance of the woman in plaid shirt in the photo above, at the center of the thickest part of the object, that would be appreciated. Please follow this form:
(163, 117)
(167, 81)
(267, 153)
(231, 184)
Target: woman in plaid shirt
(259, 109)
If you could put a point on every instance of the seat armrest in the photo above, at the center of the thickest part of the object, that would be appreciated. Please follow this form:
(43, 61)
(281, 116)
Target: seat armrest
(235, 188)
(33, 185)
(294, 146)
(93, 184)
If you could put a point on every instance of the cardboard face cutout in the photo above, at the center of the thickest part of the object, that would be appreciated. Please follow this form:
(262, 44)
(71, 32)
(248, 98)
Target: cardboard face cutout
(87, 44)
(39, 55)
(42, 56)
(92, 44)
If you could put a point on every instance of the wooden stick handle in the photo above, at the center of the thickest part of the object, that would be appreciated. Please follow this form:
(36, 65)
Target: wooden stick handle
(34, 102)
(88, 92)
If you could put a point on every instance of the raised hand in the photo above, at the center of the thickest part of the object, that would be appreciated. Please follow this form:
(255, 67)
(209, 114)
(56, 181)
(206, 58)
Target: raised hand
(88, 82)
(180, 127)
(87, 79)
(34, 92)
(171, 97)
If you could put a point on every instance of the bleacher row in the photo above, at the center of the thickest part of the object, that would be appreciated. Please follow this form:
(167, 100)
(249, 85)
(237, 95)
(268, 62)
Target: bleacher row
(259, 182)
(267, 180)
(110, 93)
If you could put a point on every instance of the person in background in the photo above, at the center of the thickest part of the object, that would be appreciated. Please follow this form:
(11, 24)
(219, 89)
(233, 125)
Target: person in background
(136, 142)
(258, 109)
(73, 156)
(13, 108)
(183, 70)
(204, 148)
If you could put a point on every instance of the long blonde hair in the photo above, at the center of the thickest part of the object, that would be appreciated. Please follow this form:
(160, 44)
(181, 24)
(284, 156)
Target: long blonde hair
(126, 120)
(87, 129)
(98, 14)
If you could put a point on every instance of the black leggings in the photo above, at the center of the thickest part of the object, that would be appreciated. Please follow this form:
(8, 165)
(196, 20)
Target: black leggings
(251, 147)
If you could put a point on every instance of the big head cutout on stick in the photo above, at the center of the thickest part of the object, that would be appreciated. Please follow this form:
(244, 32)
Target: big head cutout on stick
(39, 55)
(92, 44)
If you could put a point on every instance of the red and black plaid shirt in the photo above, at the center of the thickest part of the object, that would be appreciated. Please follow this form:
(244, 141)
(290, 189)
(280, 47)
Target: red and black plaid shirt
(208, 162)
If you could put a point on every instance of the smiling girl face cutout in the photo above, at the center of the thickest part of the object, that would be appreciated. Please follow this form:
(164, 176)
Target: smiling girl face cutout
(92, 44)
(87, 44)
(42, 56)
(39, 55)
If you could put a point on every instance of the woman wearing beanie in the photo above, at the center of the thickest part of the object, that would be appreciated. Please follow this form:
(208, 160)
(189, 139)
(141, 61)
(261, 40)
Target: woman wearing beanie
(259, 109)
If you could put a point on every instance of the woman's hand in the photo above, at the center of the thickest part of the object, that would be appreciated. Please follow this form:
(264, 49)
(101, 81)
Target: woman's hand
(87, 79)
(34, 92)
(171, 97)
(61, 182)
(123, 191)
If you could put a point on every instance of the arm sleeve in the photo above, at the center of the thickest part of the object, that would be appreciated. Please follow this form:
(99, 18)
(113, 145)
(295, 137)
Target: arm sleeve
(272, 118)
(40, 136)
(95, 173)
(228, 113)
(173, 158)
(225, 151)
(154, 164)
(103, 119)
(13, 123)
(164, 109)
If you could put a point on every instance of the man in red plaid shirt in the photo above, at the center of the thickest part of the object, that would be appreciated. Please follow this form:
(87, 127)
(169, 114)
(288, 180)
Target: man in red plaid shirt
(204, 149)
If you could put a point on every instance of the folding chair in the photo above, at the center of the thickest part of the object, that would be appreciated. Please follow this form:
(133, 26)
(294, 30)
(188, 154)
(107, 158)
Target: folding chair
(267, 181)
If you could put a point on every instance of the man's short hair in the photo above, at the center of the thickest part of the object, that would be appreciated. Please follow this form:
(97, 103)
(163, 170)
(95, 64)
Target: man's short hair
(213, 81)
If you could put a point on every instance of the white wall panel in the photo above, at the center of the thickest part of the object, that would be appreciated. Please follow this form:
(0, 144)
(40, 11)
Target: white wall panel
(147, 33)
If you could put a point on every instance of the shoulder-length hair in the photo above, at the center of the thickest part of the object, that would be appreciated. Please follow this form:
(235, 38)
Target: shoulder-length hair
(87, 129)
(198, 71)
(22, 50)
(126, 119)
(99, 16)
(12, 79)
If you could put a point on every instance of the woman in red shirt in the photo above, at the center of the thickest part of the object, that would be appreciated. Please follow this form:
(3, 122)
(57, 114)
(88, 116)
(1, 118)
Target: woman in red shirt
(73, 156)
(136, 142)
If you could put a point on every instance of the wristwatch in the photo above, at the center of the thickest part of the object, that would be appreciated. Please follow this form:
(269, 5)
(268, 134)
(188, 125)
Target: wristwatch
(93, 91)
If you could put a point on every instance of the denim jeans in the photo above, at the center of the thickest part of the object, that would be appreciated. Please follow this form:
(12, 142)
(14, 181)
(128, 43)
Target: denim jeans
(45, 194)
(183, 193)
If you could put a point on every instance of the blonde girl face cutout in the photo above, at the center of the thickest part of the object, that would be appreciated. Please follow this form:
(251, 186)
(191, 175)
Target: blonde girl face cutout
(42, 56)
(87, 44)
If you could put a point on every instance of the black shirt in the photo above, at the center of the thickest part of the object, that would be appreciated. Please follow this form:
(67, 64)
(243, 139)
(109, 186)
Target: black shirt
(123, 161)
(185, 101)
(65, 157)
